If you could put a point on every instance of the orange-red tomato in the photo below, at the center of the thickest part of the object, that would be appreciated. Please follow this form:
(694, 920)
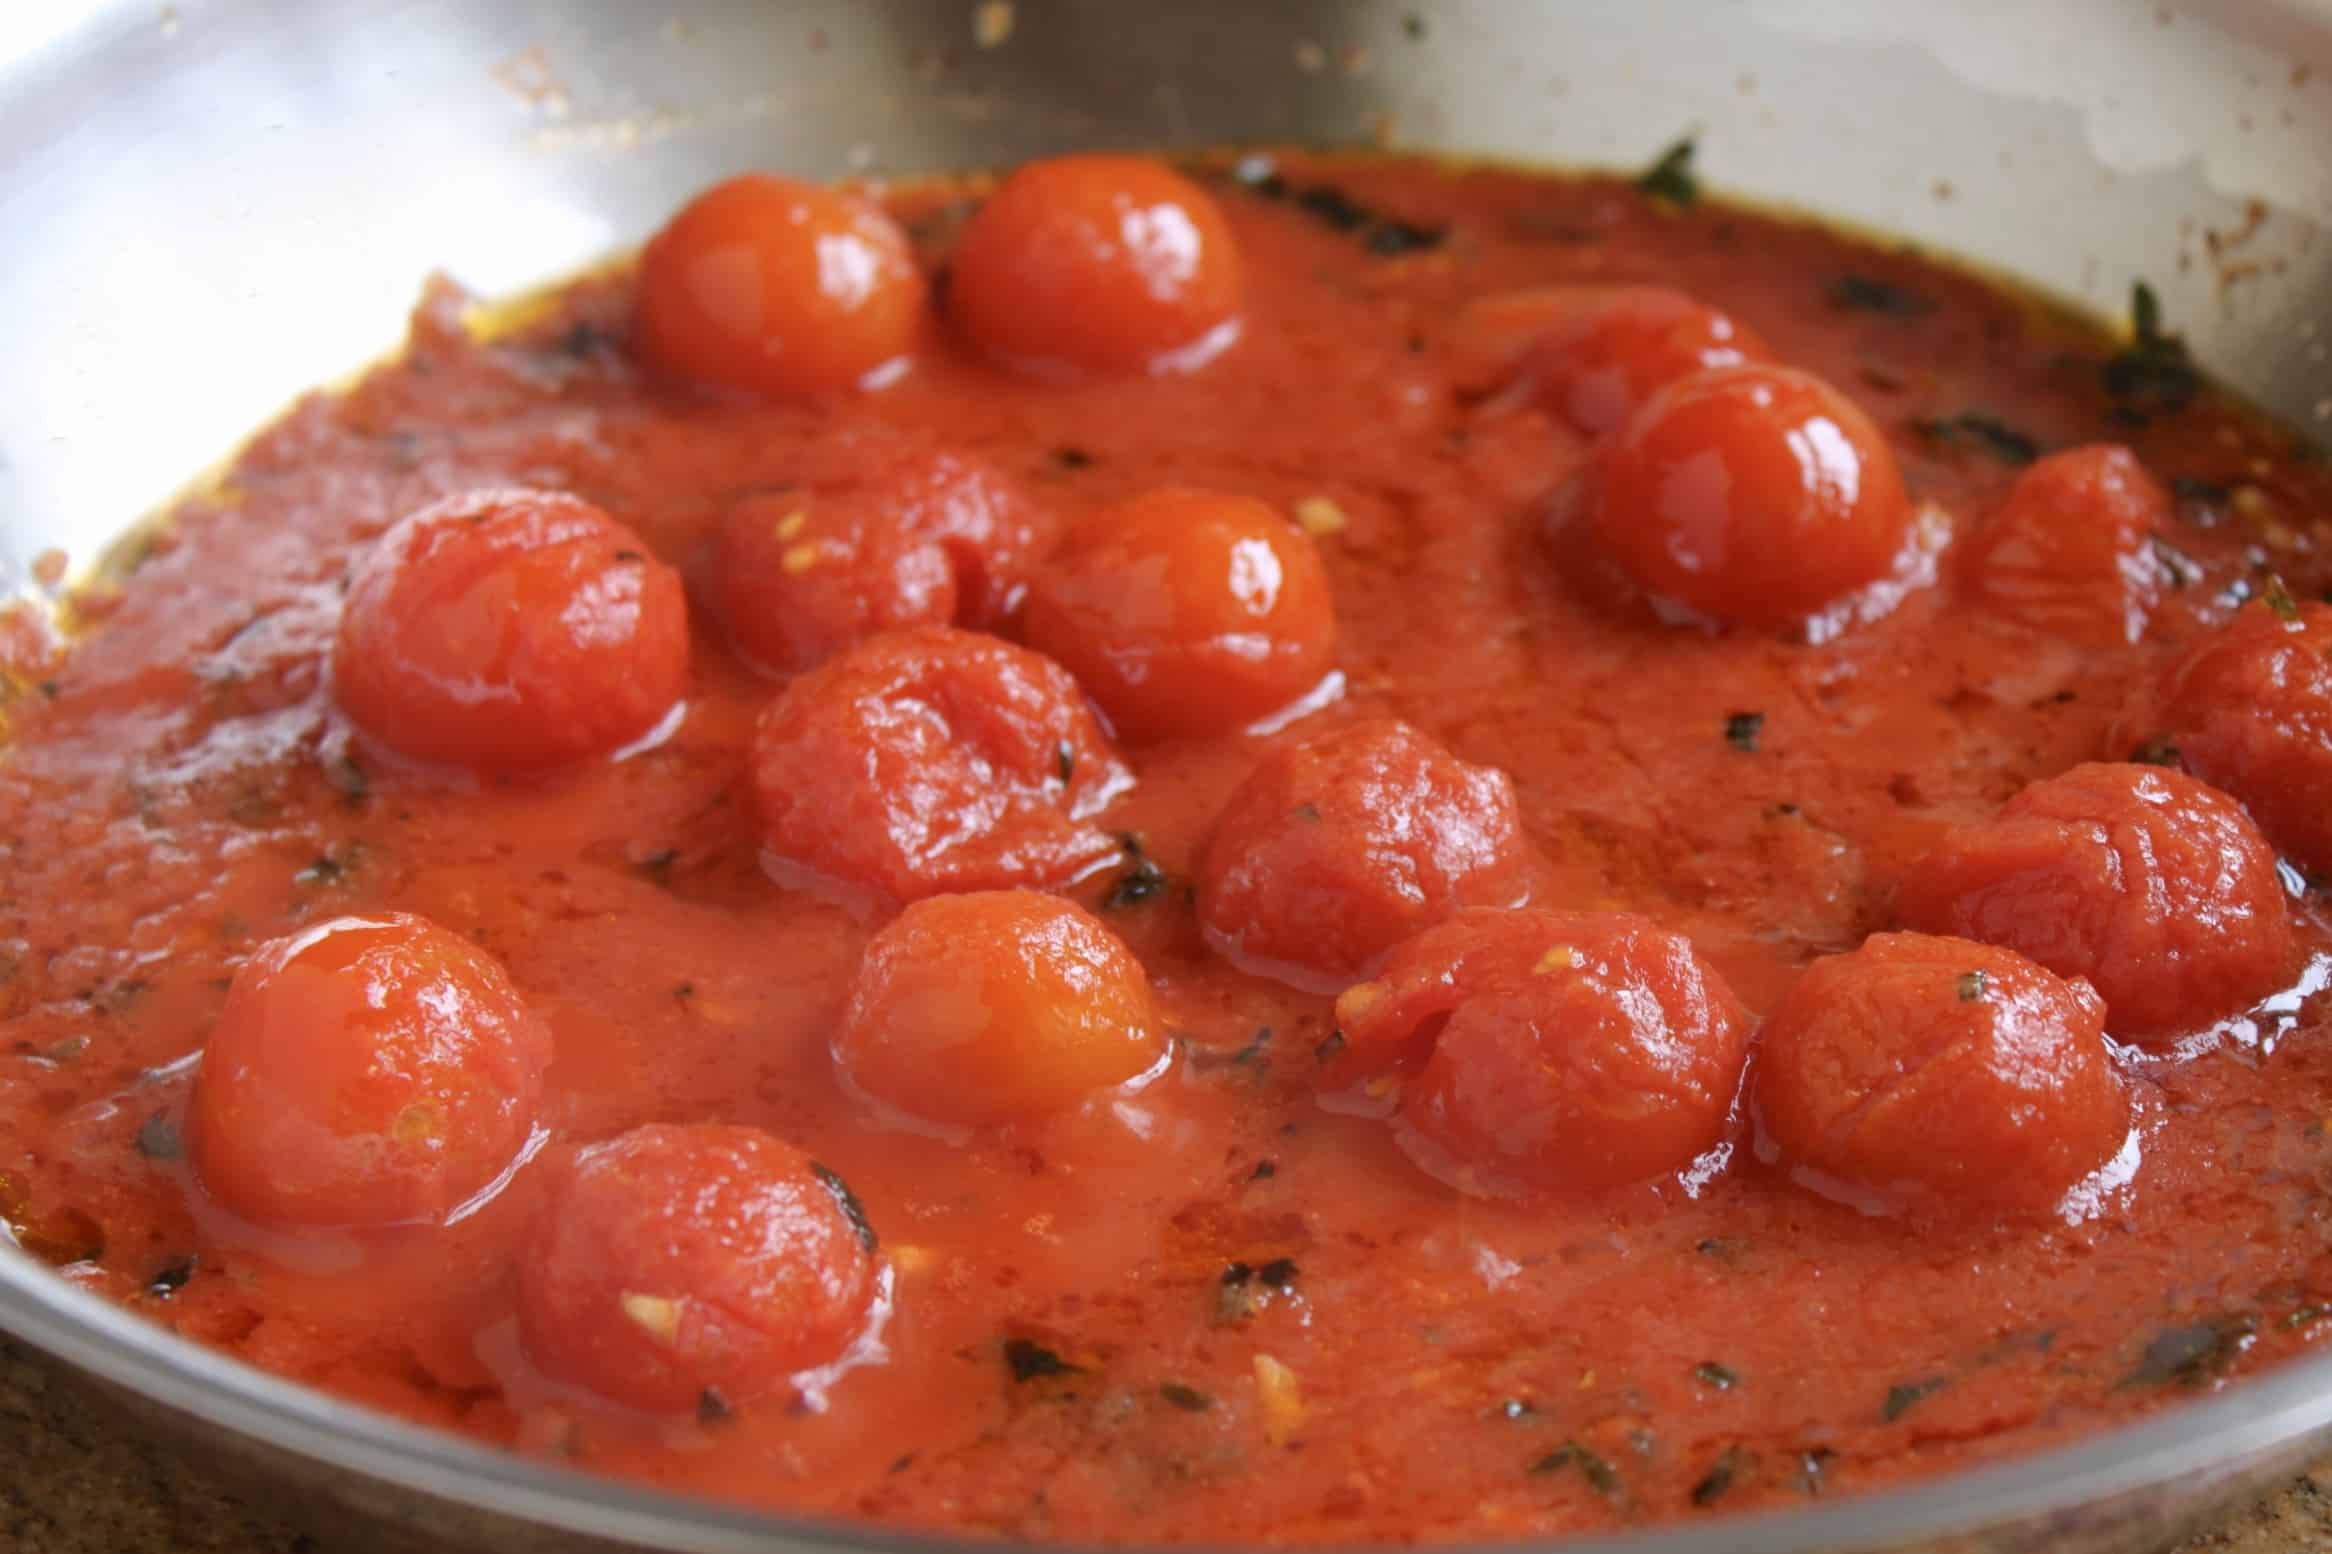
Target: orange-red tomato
(2070, 550)
(799, 574)
(1924, 1070)
(993, 1007)
(367, 1071)
(2250, 710)
(1336, 849)
(1546, 1049)
(779, 287)
(1186, 612)
(510, 630)
(676, 1260)
(2155, 887)
(934, 760)
(1592, 354)
(1751, 496)
(1097, 264)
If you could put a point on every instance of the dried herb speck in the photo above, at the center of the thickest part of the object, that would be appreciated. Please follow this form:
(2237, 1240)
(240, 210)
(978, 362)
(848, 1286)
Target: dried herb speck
(1714, 1376)
(1742, 730)
(1670, 177)
(1189, 1399)
(1030, 1360)
(1906, 1395)
(1971, 987)
(2192, 1355)
(1986, 433)
(847, 1201)
(1867, 294)
(1719, 1478)
(158, 1138)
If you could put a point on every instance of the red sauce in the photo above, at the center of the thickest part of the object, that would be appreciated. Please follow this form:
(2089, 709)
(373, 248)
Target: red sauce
(1227, 1301)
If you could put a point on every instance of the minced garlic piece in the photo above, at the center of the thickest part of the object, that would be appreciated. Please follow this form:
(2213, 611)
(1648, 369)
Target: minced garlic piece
(1282, 1397)
(802, 557)
(657, 1315)
(792, 524)
(992, 23)
(1319, 515)
(1561, 958)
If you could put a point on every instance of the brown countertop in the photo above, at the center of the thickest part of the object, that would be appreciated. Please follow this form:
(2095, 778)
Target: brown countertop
(72, 1482)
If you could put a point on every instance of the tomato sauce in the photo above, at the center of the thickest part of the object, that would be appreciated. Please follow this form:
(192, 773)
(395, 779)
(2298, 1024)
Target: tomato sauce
(1207, 1306)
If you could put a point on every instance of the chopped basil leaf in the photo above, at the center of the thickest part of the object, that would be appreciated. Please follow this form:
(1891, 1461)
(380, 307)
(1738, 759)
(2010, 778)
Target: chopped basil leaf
(350, 778)
(847, 1201)
(2194, 1354)
(1987, 433)
(1280, 1273)
(2188, 488)
(1264, 1171)
(1386, 236)
(1971, 987)
(1671, 176)
(1599, 1473)
(1904, 1396)
(171, 1277)
(1720, 1477)
(2153, 374)
(1136, 885)
(1870, 295)
(2278, 598)
(1742, 729)
(1332, 1044)
(1030, 1360)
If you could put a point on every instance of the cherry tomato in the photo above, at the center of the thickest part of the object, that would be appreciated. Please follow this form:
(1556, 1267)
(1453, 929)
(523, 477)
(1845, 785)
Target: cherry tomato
(2153, 886)
(1097, 264)
(801, 573)
(996, 1006)
(779, 287)
(1751, 496)
(367, 1071)
(508, 631)
(2069, 552)
(1924, 1070)
(934, 760)
(676, 1260)
(1187, 612)
(1546, 1049)
(1335, 850)
(2250, 710)
(1592, 354)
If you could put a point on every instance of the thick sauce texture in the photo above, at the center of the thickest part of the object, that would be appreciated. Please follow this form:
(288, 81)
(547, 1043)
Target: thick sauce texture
(1232, 1298)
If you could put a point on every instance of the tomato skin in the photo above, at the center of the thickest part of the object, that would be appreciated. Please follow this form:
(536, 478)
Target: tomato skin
(1186, 612)
(509, 631)
(1940, 1072)
(1097, 265)
(799, 574)
(1752, 496)
(2249, 710)
(2154, 887)
(2068, 552)
(779, 287)
(1336, 849)
(1592, 354)
(995, 1007)
(677, 1258)
(1562, 1050)
(934, 760)
(364, 1072)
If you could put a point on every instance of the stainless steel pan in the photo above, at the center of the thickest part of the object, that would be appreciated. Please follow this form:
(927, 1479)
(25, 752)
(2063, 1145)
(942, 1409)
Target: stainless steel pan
(205, 208)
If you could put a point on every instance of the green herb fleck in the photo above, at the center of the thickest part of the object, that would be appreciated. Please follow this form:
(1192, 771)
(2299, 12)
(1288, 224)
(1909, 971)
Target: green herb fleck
(1971, 987)
(629, 555)
(1600, 1474)
(171, 1277)
(1030, 1360)
(1720, 1477)
(1671, 176)
(712, 1407)
(1135, 886)
(349, 778)
(1307, 812)
(1906, 1395)
(1280, 1273)
(1986, 433)
(1724, 1249)
(2188, 488)
(1413, 25)
(2153, 374)
(2278, 598)
(1742, 730)
(2303, 1316)
(1264, 1171)
(1072, 458)
(158, 1138)
(1714, 1376)
(1868, 294)
(1330, 1046)
(2192, 1355)
(684, 991)
(1189, 1399)
(847, 1201)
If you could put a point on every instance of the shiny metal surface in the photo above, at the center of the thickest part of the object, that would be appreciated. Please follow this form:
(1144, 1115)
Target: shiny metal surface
(207, 208)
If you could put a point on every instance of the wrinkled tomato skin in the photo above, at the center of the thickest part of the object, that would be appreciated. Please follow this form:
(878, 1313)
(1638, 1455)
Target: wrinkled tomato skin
(1930, 1072)
(798, 574)
(1548, 1050)
(779, 288)
(1097, 265)
(1751, 496)
(934, 760)
(1336, 849)
(995, 1007)
(1186, 612)
(509, 631)
(1592, 354)
(2070, 550)
(365, 1072)
(2250, 710)
(2154, 887)
(677, 1259)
